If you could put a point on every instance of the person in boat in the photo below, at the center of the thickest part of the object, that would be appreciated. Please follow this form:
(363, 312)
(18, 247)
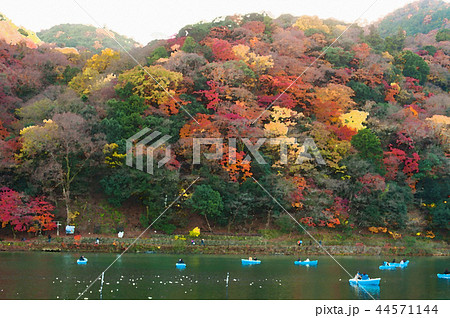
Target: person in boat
(446, 271)
(82, 258)
(393, 261)
(307, 260)
(299, 260)
(255, 259)
(364, 276)
(357, 276)
(180, 261)
(402, 262)
(250, 258)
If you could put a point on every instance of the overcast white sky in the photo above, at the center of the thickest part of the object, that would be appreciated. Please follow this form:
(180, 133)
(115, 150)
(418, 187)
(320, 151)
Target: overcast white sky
(146, 20)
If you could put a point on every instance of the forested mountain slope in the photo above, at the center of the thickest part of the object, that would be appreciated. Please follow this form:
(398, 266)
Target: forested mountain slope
(88, 37)
(418, 17)
(376, 109)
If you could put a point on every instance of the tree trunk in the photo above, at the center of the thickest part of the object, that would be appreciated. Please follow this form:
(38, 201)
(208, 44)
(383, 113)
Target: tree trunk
(66, 200)
(231, 221)
(229, 225)
(268, 219)
(66, 188)
(207, 222)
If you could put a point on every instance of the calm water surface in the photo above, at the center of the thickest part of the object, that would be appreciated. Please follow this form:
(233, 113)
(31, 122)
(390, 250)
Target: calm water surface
(153, 276)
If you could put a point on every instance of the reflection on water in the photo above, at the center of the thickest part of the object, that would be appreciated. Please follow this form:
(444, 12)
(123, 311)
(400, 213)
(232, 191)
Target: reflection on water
(366, 292)
(154, 276)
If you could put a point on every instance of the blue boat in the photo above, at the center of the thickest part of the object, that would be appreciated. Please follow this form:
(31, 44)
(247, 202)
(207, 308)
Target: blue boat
(388, 267)
(82, 262)
(180, 265)
(365, 282)
(250, 261)
(306, 263)
(397, 265)
(401, 265)
(444, 276)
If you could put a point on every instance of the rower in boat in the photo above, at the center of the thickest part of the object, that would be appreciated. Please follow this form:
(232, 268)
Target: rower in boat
(180, 261)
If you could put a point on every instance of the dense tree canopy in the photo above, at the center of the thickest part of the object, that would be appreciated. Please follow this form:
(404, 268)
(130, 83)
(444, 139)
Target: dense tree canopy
(376, 109)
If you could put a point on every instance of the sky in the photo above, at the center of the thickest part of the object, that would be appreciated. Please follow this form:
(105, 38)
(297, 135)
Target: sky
(146, 20)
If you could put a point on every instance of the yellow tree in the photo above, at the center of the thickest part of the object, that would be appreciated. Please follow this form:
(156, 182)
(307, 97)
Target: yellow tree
(93, 75)
(280, 121)
(441, 124)
(354, 119)
(259, 63)
(306, 22)
(332, 101)
(155, 84)
(332, 149)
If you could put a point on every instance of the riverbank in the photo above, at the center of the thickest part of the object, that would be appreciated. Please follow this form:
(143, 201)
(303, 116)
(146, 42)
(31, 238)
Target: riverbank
(223, 245)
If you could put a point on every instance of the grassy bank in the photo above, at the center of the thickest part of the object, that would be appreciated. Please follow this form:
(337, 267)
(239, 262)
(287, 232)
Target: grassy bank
(265, 244)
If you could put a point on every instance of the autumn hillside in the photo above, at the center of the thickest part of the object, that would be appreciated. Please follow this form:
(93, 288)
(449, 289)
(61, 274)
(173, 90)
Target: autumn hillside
(376, 107)
(418, 17)
(13, 34)
(86, 37)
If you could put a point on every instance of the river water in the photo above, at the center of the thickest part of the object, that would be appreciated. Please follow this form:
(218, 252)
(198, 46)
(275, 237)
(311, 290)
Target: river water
(34, 275)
